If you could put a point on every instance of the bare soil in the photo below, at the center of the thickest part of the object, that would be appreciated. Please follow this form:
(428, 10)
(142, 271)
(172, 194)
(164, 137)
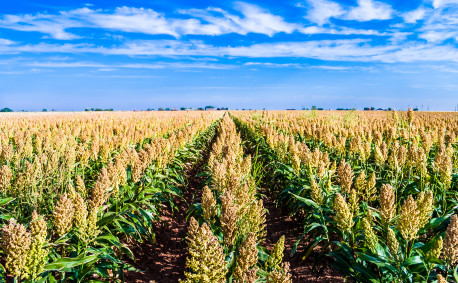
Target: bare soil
(166, 261)
(279, 223)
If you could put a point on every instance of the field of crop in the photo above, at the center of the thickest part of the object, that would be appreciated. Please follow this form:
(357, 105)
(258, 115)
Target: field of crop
(239, 196)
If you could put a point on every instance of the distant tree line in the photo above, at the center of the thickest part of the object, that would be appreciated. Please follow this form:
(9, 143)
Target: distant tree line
(381, 109)
(98, 109)
(208, 107)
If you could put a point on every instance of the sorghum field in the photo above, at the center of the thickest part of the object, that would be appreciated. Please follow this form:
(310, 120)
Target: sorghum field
(238, 196)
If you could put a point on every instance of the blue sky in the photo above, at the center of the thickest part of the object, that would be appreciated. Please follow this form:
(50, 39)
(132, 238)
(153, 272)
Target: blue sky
(71, 55)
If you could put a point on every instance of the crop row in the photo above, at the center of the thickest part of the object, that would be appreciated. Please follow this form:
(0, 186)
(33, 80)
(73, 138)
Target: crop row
(376, 194)
(76, 188)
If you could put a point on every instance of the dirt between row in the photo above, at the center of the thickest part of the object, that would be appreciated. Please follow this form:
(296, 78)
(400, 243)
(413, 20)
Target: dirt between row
(166, 261)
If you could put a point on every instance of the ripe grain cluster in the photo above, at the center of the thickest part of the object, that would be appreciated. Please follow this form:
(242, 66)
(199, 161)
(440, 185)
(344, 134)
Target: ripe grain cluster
(373, 194)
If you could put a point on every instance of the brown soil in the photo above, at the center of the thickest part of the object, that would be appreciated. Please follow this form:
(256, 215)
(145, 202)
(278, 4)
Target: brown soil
(278, 224)
(166, 261)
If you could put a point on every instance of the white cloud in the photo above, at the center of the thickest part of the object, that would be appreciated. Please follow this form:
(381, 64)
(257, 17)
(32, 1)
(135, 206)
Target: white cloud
(442, 3)
(130, 20)
(440, 25)
(420, 52)
(4, 41)
(274, 65)
(331, 50)
(332, 68)
(148, 21)
(341, 31)
(53, 25)
(334, 50)
(368, 10)
(260, 21)
(443, 68)
(354, 44)
(254, 20)
(322, 10)
(111, 67)
(414, 16)
(438, 36)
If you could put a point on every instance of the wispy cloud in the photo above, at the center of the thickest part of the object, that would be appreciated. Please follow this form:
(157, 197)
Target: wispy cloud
(368, 10)
(443, 3)
(414, 16)
(52, 25)
(6, 41)
(433, 38)
(212, 21)
(351, 50)
(321, 11)
(148, 21)
(274, 65)
(440, 24)
(332, 68)
(111, 67)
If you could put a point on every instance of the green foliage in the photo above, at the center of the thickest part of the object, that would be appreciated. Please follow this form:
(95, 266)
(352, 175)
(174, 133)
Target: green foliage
(350, 252)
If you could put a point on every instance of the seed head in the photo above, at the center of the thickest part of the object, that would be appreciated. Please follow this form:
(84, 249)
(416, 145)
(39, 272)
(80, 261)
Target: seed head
(63, 215)
(345, 176)
(387, 203)
(371, 190)
(228, 218)
(206, 256)
(394, 114)
(208, 205)
(248, 257)
(361, 183)
(451, 241)
(38, 227)
(409, 220)
(353, 201)
(92, 229)
(5, 178)
(441, 279)
(15, 243)
(276, 255)
(370, 237)
(436, 250)
(393, 243)
(99, 192)
(443, 165)
(37, 254)
(80, 217)
(410, 115)
(425, 207)
(344, 217)
(315, 192)
(402, 156)
(80, 187)
(280, 276)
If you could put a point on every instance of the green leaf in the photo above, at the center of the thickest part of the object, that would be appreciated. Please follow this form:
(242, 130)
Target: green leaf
(307, 201)
(413, 260)
(5, 201)
(381, 263)
(67, 262)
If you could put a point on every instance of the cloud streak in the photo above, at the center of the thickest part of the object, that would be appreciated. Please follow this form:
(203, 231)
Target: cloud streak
(351, 50)
(211, 21)
(427, 33)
